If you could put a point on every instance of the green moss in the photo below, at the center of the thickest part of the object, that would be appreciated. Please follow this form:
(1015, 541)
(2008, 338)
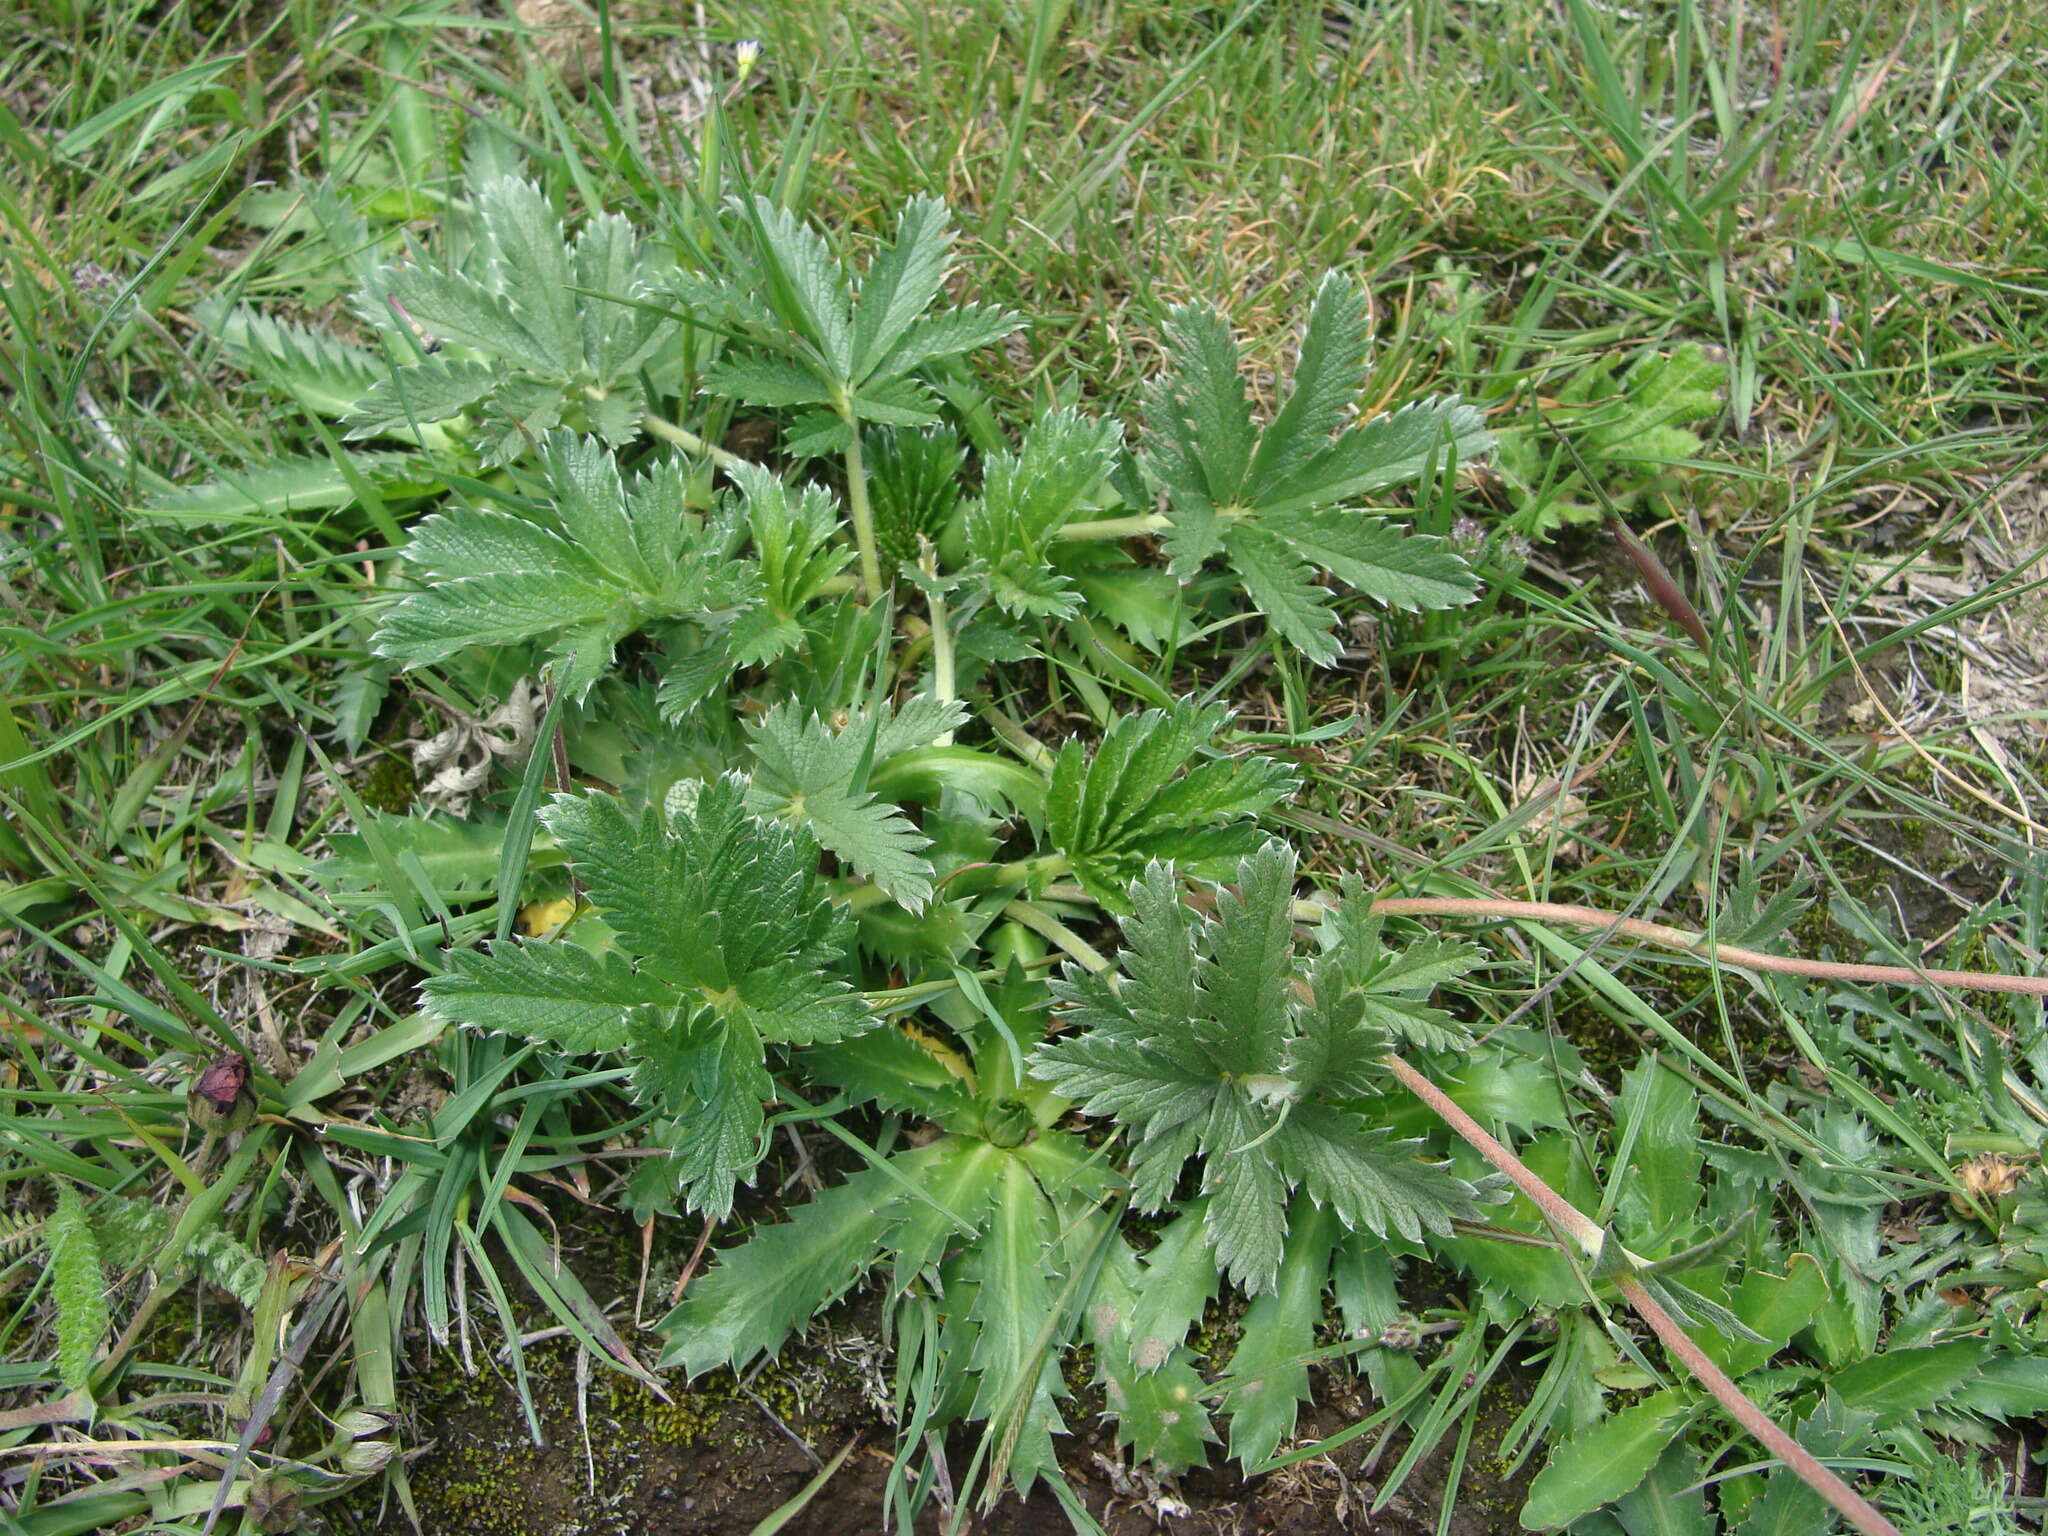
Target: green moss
(389, 785)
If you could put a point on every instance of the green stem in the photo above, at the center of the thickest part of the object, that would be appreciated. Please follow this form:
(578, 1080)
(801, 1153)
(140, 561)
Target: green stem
(1045, 925)
(1115, 527)
(942, 657)
(1021, 741)
(1024, 871)
(689, 441)
(863, 518)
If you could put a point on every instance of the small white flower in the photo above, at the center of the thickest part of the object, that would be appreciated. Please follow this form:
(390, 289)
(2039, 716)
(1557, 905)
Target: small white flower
(745, 56)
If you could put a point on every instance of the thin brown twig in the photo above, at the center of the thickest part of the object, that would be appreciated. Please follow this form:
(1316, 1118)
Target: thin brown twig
(1698, 944)
(1591, 1239)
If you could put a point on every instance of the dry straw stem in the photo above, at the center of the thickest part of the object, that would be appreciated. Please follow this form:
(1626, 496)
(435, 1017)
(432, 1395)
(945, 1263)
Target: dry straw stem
(1698, 944)
(1591, 1240)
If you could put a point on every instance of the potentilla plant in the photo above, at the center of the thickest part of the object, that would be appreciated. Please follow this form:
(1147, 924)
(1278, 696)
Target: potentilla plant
(828, 873)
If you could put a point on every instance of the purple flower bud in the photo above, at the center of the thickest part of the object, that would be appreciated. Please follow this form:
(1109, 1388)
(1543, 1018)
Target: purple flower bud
(220, 1099)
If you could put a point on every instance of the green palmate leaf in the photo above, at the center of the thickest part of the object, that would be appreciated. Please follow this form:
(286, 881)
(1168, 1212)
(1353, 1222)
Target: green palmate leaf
(538, 333)
(78, 1286)
(702, 1068)
(1026, 497)
(813, 776)
(1372, 996)
(756, 1294)
(726, 944)
(1211, 1043)
(1143, 797)
(1283, 587)
(796, 557)
(897, 402)
(1395, 569)
(606, 558)
(722, 904)
(1275, 503)
(852, 353)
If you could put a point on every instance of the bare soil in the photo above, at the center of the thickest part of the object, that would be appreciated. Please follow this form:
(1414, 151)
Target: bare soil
(719, 1458)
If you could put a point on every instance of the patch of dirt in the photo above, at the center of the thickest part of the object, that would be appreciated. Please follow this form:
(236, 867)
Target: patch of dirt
(614, 1459)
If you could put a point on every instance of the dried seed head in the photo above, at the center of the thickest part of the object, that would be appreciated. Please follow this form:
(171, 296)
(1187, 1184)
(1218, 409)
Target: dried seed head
(1987, 1178)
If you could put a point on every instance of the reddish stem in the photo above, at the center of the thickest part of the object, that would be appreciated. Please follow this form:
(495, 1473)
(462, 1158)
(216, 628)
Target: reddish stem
(1678, 938)
(1591, 1239)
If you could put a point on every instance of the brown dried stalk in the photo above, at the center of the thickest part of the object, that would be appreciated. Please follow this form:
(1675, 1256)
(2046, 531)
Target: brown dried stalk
(1698, 944)
(1591, 1240)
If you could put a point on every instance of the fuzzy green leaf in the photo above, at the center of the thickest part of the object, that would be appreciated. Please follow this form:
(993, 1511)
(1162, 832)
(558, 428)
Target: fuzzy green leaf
(533, 270)
(1386, 451)
(79, 1288)
(812, 776)
(769, 381)
(1016, 1367)
(555, 992)
(806, 286)
(1282, 586)
(721, 905)
(1395, 569)
(901, 282)
(1196, 1050)
(454, 307)
(323, 374)
(1137, 799)
(620, 330)
(1201, 433)
(1276, 509)
(290, 486)
(1327, 377)
(1148, 1378)
(432, 390)
(702, 1068)
(608, 557)
(757, 1293)
(1026, 497)
(933, 338)
(1268, 1374)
